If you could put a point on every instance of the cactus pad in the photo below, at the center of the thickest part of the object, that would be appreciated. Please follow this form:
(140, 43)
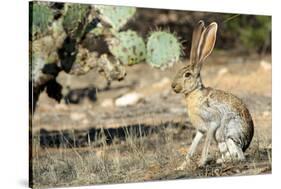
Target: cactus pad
(128, 47)
(75, 19)
(41, 18)
(36, 74)
(163, 49)
(115, 16)
(46, 47)
(112, 68)
(37, 65)
(84, 62)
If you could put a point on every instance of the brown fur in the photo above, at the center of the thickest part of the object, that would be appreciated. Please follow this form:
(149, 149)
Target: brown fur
(219, 114)
(199, 98)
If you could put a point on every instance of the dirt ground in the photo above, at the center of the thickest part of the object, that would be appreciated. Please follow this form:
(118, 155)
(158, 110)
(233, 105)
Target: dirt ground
(96, 142)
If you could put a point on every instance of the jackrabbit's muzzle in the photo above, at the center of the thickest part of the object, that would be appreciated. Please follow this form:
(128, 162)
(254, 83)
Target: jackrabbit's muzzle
(177, 88)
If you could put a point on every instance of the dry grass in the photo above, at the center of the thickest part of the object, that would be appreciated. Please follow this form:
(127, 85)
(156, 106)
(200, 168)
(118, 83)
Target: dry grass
(137, 158)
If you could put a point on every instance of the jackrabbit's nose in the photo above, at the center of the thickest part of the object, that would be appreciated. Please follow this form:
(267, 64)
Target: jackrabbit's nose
(174, 85)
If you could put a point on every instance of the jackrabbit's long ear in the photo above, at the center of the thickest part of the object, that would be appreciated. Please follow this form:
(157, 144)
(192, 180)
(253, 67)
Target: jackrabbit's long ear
(197, 32)
(207, 42)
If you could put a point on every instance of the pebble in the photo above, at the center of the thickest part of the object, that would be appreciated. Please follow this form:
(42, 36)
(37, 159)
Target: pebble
(106, 103)
(222, 71)
(128, 99)
(77, 116)
(265, 65)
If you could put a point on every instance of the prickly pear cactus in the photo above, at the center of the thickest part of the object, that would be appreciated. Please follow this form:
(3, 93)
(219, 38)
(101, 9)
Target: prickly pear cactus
(111, 68)
(40, 19)
(115, 16)
(43, 52)
(163, 49)
(84, 62)
(58, 43)
(128, 47)
(36, 73)
(75, 19)
(46, 46)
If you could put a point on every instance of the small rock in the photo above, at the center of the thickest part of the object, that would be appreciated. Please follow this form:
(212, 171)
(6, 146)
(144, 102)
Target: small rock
(266, 113)
(222, 71)
(77, 116)
(265, 65)
(107, 103)
(128, 99)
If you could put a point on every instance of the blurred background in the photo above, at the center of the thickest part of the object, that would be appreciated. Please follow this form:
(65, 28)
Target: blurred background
(237, 32)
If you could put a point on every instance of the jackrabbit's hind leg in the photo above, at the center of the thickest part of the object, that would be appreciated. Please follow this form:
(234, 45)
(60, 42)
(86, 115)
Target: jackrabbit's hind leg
(236, 153)
(230, 152)
(224, 152)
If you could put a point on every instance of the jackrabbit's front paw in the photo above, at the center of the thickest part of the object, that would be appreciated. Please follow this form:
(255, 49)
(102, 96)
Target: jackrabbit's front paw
(204, 161)
(220, 161)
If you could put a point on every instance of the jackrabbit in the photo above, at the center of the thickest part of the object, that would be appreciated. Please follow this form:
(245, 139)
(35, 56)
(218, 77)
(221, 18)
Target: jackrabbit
(219, 115)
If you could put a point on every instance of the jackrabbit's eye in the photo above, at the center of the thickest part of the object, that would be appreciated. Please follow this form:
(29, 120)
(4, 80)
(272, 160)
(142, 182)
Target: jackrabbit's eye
(187, 74)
